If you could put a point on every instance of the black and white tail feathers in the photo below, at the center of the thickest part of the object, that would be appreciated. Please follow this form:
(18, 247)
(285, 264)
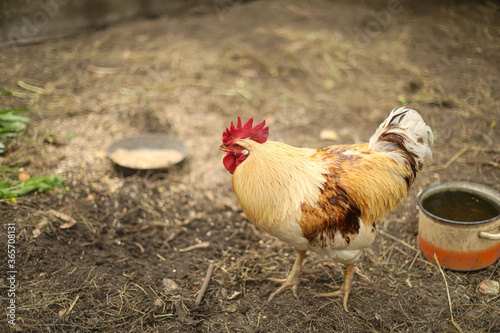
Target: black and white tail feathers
(405, 137)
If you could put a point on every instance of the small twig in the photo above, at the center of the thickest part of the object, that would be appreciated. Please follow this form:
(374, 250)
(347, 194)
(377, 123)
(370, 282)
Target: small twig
(204, 287)
(495, 164)
(450, 161)
(492, 163)
(413, 261)
(70, 221)
(64, 313)
(386, 252)
(391, 248)
(447, 293)
(485, 149)
(464, 128)
(102, 70)
(398, 240)
(196, 246)
(477, 305)
(494, 269)
(141, 248)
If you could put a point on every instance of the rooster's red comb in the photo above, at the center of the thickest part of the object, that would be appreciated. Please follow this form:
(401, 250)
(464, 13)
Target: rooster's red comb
(257, 133)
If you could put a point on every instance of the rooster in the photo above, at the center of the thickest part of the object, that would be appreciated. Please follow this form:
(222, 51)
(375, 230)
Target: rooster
(325, 200)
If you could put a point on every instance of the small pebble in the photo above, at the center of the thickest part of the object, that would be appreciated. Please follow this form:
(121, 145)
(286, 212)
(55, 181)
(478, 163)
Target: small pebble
(489, 287)
(170, 285)
(328, 134)
(23, 176)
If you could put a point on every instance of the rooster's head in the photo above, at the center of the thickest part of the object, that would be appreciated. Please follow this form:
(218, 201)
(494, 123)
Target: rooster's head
(236, 153)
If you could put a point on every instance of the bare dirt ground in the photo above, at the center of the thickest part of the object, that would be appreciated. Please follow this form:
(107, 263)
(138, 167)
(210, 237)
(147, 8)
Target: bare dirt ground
(302, 65)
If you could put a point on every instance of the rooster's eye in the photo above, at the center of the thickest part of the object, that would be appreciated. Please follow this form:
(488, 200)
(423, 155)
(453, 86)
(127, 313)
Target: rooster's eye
(237, 146)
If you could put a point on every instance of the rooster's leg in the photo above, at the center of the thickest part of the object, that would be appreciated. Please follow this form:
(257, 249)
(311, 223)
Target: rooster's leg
(292, 280)
(346, 286)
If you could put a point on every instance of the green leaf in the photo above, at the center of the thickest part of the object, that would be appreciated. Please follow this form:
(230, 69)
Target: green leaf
(32, 88)
(69, 137)
(403, 100)
(13, 117)
(11, 124)
(40, 184)
(4, 184)
(20, 94)
(23, 190)
(11, 110)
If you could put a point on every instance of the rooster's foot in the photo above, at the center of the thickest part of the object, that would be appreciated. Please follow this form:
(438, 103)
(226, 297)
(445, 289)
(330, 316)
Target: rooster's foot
(288, 283)
(344, 294)
(343, 291)
(292, 280)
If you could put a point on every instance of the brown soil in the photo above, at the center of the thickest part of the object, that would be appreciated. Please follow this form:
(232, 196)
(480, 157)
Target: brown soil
(304, 66)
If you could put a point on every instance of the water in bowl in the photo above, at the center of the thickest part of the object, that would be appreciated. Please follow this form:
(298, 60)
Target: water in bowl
(460, 206)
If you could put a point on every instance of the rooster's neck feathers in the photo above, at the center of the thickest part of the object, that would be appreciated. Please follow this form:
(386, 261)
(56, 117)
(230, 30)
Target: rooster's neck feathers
(275, 180)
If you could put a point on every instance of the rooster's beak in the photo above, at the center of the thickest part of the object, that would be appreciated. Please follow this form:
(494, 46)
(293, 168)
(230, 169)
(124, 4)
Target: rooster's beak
(224, 148)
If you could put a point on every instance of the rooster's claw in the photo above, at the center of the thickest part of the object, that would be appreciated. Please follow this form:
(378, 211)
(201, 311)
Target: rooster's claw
(293, 284)
(292, 280)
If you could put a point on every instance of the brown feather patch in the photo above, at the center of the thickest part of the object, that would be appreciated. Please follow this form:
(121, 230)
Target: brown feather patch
(360, 185)
(334, 211)
(398, 140)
